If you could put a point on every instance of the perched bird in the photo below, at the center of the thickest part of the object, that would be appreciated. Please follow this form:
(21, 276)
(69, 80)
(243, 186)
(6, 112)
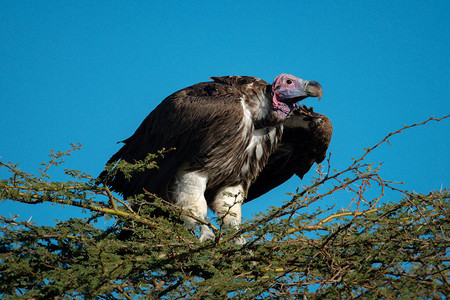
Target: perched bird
(223, 133)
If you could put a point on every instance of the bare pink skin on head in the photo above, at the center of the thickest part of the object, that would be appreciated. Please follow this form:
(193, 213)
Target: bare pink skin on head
(282, 108)
(286, 88)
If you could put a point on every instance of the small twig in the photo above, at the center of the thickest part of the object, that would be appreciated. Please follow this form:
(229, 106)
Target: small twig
(319, 225)
(110, 196)
(120, 289)
(385, 139)
(52, 162)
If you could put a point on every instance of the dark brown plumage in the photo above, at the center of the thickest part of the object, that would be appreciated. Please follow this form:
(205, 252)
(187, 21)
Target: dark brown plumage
(222, 134)
(203, 123)
(305, 141)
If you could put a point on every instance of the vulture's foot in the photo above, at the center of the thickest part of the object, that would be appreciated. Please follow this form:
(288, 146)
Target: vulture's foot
(206, 234)
(240, 240)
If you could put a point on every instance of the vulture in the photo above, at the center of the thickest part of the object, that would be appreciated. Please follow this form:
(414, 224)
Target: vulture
(232, 139)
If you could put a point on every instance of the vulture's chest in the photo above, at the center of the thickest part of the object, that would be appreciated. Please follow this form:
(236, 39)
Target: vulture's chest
(261, 143)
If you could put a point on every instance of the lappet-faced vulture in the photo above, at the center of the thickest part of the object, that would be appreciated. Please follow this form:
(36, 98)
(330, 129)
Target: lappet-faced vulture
(231, 137)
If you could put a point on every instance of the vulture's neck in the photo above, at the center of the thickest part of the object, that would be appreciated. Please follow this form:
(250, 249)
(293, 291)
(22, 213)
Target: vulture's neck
(261, 109)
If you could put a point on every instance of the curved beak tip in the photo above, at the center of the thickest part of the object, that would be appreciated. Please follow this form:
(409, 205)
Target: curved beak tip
(314, 89)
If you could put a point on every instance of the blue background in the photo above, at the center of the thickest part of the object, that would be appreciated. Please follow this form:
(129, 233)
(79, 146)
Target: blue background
(90, 72)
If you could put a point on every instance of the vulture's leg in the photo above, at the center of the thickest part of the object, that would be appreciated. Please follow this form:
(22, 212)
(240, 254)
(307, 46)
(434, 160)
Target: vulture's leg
(187, 191)
(227, 205)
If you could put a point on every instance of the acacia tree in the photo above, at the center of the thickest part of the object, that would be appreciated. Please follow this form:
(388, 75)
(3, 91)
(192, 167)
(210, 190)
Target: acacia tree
(374, 248)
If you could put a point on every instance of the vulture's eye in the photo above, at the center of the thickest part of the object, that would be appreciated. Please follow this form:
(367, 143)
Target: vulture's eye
(289, 81)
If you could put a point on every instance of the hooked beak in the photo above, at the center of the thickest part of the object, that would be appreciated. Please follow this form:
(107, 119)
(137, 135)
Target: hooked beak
(313, 89)
(304, 90)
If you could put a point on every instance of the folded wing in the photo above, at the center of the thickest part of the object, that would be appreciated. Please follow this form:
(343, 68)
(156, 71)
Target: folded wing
(305, 140)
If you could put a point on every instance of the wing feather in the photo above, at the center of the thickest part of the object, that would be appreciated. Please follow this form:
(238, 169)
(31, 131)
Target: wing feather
(194, 122)
(305, 140)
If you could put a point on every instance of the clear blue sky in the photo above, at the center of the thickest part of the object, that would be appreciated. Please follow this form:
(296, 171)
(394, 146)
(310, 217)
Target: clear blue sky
(90, 72)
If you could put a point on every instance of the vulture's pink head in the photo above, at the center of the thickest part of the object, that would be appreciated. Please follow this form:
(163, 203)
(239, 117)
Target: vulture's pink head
(288, 89)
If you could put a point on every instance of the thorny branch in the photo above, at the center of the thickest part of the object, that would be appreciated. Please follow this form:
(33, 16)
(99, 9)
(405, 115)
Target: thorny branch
(302, 200)
(364, 173)
(321, 267)
(57, 156)
(385, 139)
